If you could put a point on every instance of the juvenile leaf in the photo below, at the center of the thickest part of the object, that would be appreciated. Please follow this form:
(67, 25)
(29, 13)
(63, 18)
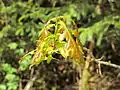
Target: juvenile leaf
(56, 38)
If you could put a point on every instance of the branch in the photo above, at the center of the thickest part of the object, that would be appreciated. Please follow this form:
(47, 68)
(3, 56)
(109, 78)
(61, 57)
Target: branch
(99, 60)
(32, 80)
(106, 63)
(20, 85)
(30, 83)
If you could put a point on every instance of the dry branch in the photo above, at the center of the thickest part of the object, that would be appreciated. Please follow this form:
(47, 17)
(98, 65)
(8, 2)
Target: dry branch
(106, 63)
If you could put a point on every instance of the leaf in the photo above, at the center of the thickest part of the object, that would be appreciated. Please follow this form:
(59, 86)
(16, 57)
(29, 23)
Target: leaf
(56, 38)
(4, 31)
(8, 68)
(101, 35)
(3, 87)
(13, 45)
(72, 48)
(83, 37)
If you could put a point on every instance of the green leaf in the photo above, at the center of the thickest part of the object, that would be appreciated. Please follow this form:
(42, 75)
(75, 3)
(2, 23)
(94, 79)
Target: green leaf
(49, 58)
(12, 45)
(10, 77)
(100, 35)
(4, 31)
(20, 51)
(12, 85)
(3, 87)
(25, 64)
(8, 68)
(83, 37)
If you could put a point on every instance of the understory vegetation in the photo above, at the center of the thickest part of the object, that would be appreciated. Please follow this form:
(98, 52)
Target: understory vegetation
(78, 44)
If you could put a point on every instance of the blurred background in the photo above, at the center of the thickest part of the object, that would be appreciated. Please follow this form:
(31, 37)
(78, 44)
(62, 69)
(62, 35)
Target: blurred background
(98, 23)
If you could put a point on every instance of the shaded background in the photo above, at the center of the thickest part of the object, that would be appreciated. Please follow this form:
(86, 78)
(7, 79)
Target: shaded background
(98, 24)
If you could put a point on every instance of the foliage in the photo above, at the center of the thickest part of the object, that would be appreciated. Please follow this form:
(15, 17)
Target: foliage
(55, 37)
(99, 29)
(11, 79)
(21, 20)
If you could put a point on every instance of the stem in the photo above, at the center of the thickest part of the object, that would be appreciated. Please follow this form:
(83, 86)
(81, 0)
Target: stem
(85, 76)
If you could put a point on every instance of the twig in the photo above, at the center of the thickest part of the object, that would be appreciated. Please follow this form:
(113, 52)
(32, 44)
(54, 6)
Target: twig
(31, 73)
(106, 63)
(99, 60)
(20, 85)
(99, 69)
(30, 82)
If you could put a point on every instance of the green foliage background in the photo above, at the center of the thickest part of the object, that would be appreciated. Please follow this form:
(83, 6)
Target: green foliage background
(21, 21)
